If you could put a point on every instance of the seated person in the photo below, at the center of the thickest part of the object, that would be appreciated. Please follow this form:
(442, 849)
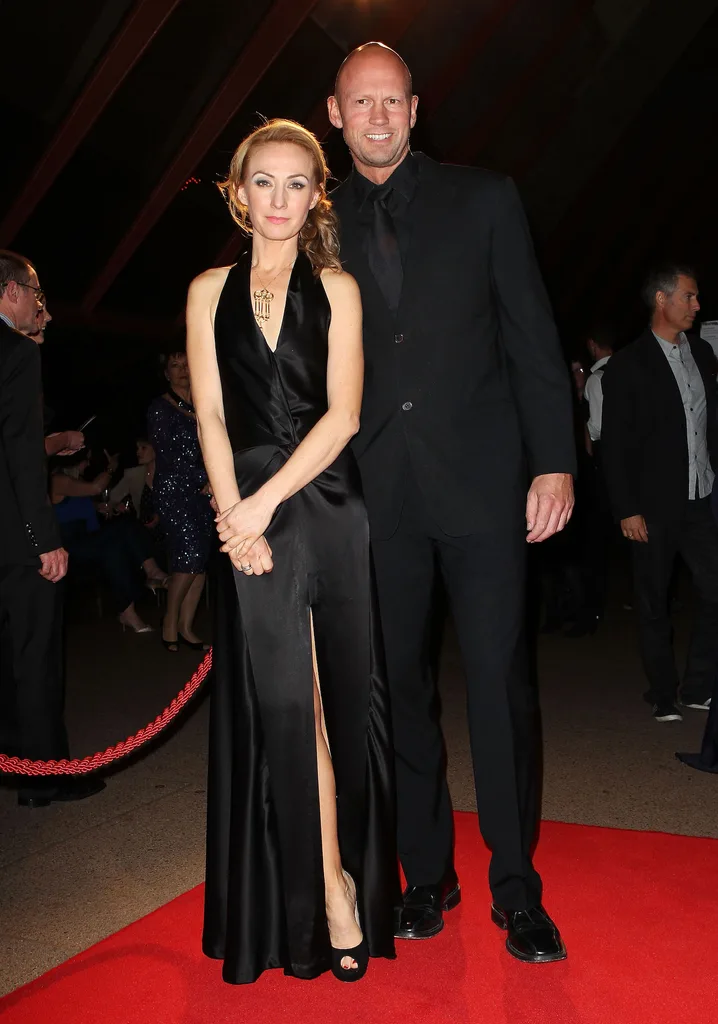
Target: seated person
(136, 483)
(117, 551)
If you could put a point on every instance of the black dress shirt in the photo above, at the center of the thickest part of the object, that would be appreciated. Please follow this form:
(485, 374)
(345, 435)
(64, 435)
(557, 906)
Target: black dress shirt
(404, 181)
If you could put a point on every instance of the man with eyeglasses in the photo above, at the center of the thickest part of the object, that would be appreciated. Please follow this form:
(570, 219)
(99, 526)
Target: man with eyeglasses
(32, 560)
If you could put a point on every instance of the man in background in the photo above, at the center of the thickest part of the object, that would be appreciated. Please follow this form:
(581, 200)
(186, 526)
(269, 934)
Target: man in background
(32, 561)
(659, 440)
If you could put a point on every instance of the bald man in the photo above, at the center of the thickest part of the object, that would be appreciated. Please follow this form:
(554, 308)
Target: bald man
(466, 409)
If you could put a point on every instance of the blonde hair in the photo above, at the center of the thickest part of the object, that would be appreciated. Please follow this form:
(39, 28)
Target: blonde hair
(319, 237)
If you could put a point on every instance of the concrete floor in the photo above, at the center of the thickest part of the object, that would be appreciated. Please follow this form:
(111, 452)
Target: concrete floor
(72, 874)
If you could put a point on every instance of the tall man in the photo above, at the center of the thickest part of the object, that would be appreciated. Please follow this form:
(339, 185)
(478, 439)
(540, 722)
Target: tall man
(464, 382)
(32, 561)
(659, 442)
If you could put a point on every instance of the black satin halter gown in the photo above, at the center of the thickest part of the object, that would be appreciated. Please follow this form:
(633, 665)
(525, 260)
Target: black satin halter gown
(264, 904)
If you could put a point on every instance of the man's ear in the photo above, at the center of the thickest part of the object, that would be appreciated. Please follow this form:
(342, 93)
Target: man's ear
(334, 113)
(414, 105)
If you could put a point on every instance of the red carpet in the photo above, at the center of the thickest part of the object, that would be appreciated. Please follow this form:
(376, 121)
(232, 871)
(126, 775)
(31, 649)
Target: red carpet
(637, 911)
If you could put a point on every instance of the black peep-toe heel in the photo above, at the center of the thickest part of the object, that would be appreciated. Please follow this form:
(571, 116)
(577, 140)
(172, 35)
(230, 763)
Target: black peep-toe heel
(359, 953)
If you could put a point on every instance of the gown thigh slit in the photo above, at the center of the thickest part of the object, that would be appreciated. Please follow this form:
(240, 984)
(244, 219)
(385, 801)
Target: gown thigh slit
(265, 899)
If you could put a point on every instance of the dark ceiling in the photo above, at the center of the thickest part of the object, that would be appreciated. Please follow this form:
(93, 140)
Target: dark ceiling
(120, 115)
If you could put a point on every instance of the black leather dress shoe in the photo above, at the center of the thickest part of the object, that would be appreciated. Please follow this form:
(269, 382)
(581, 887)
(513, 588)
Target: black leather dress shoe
(532, 935)
(74, 789)
(422, 912)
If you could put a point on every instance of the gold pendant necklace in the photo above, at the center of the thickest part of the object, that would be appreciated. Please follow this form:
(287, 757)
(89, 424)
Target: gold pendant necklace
(262, 297)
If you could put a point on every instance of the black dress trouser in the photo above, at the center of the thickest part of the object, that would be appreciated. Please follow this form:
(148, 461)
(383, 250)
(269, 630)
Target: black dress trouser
(695, 538)
(484, 576)
(31, 674)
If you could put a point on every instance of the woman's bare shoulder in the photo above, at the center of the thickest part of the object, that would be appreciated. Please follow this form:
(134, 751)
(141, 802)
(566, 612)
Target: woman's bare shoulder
(209, 283)
(340, 286)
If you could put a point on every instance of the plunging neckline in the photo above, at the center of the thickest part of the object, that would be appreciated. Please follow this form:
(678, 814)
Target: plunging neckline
(250, 298)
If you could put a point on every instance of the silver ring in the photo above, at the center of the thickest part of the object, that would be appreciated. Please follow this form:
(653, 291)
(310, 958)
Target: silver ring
(246, 568)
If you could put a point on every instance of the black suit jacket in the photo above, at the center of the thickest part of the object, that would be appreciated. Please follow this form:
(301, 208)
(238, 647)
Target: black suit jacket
(472, 347)
(27, 523)
(644, 447)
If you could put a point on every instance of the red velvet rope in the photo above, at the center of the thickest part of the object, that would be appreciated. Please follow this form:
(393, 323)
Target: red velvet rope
(23, 766)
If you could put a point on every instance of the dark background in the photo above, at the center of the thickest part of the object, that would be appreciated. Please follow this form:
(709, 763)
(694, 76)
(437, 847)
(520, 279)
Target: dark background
(119, 116)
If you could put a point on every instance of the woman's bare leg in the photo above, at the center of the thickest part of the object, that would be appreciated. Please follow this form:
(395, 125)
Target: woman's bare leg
(188, 608)
(177, 589)
(340, 896)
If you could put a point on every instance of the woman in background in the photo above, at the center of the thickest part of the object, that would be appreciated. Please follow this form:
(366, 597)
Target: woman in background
(181, 500)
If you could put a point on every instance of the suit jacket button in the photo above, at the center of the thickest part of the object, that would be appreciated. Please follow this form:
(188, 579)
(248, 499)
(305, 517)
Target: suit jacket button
(398, 338)
(407, 405)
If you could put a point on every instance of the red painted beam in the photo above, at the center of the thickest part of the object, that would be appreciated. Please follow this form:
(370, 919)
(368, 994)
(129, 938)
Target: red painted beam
(142, 25)
(475, 138)
(127, 324)
(268, 41)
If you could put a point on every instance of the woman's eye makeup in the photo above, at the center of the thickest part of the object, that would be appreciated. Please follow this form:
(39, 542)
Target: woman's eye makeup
(264, 182)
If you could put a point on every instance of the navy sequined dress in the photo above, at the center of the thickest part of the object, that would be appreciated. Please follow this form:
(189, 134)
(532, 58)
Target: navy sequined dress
(185, 513)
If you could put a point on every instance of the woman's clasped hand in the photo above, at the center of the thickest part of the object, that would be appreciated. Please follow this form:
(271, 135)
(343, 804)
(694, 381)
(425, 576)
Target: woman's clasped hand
(241, 529)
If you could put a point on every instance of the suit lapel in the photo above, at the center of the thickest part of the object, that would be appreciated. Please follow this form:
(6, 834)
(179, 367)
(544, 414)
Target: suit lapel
(428, 216)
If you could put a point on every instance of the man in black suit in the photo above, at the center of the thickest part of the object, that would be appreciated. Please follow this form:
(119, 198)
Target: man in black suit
(464, 384)
(659, 443)
(32, 560)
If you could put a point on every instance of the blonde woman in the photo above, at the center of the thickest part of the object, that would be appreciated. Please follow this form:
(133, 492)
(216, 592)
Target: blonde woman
(301, 869)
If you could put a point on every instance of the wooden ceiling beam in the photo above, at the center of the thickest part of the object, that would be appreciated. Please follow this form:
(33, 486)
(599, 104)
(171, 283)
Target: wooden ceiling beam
(137, 32)
(475, 138)
(276, 29)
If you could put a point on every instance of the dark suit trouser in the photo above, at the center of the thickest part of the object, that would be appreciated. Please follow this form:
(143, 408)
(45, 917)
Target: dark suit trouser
(484, 577)
(695, 538)
(31, 679)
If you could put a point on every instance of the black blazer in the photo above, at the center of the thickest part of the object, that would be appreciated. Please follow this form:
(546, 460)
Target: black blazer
(472, 347)
(27, 522)
(644, 448)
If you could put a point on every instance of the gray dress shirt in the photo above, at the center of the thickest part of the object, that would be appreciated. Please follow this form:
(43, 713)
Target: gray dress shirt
(693, 394)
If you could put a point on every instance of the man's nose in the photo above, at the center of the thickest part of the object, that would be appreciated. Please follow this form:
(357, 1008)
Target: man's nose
(378, 114)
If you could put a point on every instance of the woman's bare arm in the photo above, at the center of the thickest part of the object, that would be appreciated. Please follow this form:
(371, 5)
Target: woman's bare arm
(64, 486)
(202, 301)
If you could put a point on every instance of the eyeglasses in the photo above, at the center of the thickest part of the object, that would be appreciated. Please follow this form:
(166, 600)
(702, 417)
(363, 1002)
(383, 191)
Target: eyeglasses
(39, 293)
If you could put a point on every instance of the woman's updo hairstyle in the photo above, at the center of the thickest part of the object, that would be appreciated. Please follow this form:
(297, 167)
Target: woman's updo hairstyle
(319, 238)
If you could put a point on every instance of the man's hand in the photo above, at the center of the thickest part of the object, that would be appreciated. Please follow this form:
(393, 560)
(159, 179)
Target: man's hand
(634, 528)
(549, 505)
(54, 565)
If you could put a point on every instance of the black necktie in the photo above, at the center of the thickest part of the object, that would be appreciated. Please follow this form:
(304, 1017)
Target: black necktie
(383, 248)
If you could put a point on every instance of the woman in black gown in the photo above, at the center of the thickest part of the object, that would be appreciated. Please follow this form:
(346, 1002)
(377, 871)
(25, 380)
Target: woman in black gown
(301, 859)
